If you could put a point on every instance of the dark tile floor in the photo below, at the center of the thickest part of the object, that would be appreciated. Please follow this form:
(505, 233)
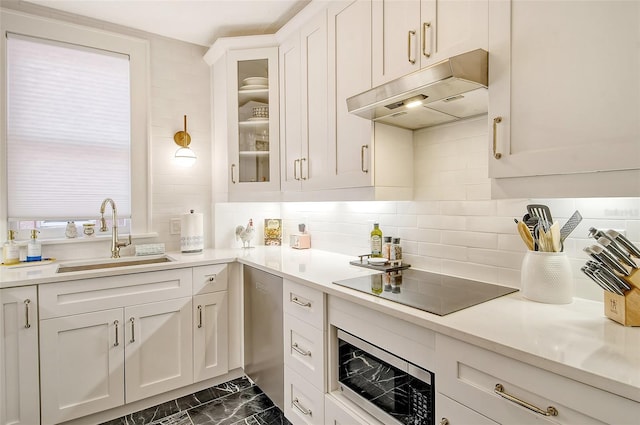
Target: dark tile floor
(237, 402)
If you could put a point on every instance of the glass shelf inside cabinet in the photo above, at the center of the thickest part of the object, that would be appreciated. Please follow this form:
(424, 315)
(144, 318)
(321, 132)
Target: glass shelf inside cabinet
(253, 121)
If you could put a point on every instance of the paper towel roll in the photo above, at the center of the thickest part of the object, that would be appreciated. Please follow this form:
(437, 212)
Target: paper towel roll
(192, 232)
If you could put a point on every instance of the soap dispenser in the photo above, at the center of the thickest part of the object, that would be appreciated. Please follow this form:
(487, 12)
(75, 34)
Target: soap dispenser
(10, 250)
(34, 247)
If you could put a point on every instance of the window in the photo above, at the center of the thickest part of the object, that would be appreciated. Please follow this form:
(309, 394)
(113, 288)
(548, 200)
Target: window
(68, 130)
(76, 120)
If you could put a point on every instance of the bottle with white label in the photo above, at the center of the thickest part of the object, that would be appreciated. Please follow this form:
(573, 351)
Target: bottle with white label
(10, 250)
(376, 241)
(34, 247)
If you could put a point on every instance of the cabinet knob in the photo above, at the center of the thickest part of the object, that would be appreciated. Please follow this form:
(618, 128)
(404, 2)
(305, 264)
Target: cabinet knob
(444, 421)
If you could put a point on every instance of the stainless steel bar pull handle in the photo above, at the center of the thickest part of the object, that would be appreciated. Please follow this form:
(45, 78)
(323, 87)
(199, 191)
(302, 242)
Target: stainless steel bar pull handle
(303, 160)
(133, 330)
(296, 403)
(297, 348)
(551, 411)
(27, 303)
(233, 180)
(295, 169)
(115, 324)
(364, 170)
(301, 303)
(496, 121)
(410, 35)
(199, 316)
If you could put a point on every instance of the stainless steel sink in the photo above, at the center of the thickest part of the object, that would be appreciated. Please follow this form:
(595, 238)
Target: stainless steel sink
(107, 264)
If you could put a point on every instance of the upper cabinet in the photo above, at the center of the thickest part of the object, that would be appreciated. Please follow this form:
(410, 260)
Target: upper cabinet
(253, 130)
(305, 151)
(411, 34)
(564, 98)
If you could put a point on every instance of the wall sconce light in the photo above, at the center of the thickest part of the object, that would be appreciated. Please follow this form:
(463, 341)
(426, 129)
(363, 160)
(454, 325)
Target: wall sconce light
(184, 155)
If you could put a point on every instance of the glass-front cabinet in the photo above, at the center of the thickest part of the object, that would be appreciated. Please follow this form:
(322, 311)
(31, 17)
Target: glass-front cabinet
(253, 120)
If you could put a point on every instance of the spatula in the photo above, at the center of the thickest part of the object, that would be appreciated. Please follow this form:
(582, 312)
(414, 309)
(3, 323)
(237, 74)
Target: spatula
(541, 211)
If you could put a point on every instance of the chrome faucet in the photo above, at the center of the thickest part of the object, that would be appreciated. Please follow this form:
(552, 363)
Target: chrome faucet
(115, 243)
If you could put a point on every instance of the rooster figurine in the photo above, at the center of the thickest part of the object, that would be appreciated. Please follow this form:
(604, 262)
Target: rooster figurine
(245, 234)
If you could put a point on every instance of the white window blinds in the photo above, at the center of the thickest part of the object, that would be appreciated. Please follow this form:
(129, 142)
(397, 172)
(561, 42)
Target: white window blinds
(68, 130)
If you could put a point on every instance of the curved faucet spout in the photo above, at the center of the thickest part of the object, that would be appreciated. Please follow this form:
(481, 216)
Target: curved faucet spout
(115, 244)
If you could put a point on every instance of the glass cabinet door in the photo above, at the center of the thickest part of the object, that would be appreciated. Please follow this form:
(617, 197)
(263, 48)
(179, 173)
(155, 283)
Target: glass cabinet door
(253, 120)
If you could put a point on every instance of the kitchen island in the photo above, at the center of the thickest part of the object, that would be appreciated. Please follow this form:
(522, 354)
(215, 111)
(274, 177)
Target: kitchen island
(575, 341)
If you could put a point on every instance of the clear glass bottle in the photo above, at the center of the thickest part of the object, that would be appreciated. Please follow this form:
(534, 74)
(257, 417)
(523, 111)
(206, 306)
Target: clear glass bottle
(376, 241)
(386, 247)
(396, 250)
(34, 247)
(10, 250)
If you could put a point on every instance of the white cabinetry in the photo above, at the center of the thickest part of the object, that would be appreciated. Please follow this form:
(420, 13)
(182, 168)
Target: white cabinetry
(497, 387)
(306, 153)
(106, 337)
(450, 412)
(411, 34)
(210, 322)
(253, 128)
(564, 100)
(19, 392)
(304, 354)
(349, 33)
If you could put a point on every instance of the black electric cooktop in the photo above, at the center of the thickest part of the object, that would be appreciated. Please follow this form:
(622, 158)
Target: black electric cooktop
(435, 293)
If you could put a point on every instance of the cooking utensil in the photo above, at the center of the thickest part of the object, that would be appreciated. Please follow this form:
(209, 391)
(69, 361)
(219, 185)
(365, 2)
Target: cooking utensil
(615, 252)
(591, 274)
(617, 280)
(626, 243)
(525, 234)
(556, 242)
(570, 225)
(603, 278)
(540, 211)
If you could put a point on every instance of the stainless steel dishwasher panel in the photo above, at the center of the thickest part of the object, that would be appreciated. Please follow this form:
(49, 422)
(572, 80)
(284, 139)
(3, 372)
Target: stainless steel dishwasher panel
(263, 332)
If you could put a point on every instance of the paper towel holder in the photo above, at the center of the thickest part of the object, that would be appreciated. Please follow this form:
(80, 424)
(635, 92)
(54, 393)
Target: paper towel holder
(184, 155)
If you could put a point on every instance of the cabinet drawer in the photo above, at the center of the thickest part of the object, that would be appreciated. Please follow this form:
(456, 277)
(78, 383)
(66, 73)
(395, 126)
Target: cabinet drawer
(212, 278)
(450, 412)
(304, 303)
(304, 350)
(339, 411)
(87, 295)
(469, 375)
(303, 403)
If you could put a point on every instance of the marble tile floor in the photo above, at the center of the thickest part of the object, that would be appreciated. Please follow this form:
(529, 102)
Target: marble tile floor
(237, 402)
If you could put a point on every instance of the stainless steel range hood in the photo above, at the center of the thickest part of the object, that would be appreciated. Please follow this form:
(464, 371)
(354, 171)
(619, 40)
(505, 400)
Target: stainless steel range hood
(447, 91)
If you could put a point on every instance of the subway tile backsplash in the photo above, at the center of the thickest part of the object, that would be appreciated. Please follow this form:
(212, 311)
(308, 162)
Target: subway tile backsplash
(453, 226)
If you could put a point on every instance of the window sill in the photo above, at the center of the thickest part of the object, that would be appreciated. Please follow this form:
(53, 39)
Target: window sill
(86, 239)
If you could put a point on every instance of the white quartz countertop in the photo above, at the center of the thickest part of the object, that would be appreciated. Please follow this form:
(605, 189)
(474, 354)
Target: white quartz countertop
(574, 340)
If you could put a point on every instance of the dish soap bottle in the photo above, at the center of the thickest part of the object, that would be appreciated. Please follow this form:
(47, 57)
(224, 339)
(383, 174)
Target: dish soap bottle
(11, 250)
(376, 241)
(34, 247)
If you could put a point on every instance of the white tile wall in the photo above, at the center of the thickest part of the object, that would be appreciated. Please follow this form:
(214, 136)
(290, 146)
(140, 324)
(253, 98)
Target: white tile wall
(453, 226)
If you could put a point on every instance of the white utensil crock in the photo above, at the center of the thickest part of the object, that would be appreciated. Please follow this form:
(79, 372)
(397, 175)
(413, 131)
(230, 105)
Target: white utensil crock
(546, 277)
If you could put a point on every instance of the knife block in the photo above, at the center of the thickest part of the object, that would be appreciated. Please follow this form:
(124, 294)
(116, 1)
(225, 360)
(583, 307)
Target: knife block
(625, 309)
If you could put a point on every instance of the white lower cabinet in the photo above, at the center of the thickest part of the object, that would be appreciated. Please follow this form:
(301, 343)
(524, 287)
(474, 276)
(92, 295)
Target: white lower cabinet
(450, 412)
(102, 345)
(158, 348)
(90, 361)
(304, 354)
(81, 364)
(511, 392)
(303, 403)
(210, 335)
(19, 395)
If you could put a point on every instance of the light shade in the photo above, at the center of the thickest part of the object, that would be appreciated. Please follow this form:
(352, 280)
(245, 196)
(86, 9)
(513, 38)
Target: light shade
(185, 157)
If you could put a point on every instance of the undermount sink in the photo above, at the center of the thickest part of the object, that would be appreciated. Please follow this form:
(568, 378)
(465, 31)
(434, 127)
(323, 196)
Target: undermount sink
(77, 266)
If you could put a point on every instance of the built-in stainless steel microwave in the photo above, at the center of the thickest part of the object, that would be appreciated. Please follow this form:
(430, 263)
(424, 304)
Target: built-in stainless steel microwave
(386, 386)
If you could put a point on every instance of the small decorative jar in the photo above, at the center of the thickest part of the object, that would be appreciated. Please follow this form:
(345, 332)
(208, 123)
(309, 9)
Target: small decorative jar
(89, 229)
(71, 230)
